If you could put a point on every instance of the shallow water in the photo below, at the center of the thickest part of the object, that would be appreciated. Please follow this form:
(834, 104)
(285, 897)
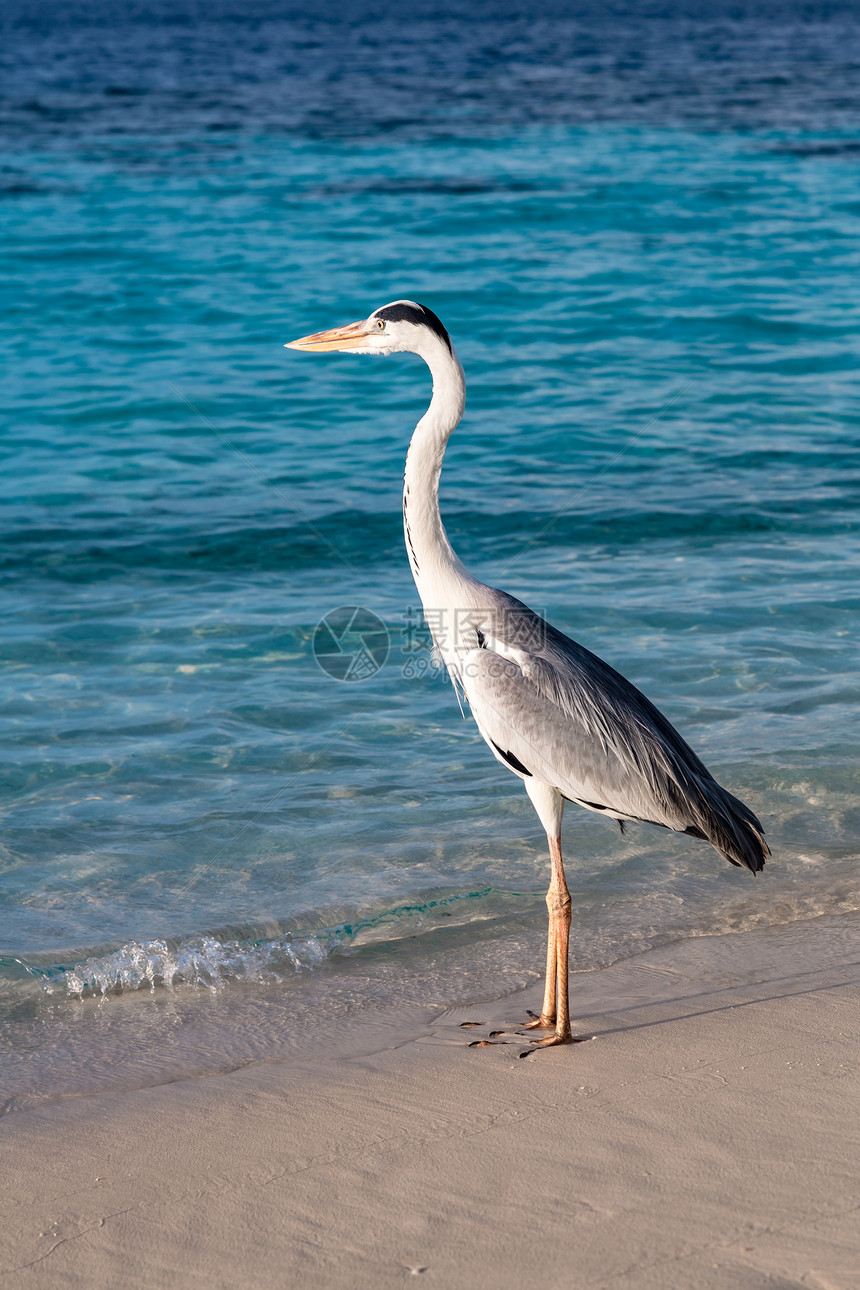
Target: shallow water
(642, 233)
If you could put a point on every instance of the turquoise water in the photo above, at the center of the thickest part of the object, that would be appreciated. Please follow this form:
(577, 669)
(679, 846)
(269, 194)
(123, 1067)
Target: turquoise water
(642, 234)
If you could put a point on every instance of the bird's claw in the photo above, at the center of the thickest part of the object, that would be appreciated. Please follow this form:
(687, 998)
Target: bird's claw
(553, 1041)
(538, 1023)
(521, 1030)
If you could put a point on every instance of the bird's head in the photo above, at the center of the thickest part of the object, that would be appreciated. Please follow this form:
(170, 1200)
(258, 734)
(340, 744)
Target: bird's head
(402, 326)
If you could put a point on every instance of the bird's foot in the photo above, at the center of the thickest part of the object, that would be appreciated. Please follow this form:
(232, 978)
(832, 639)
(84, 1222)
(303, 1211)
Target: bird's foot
(553, 1041)
(518, 1030)
(493, 1041)
(483, 1043)
(536, 1022)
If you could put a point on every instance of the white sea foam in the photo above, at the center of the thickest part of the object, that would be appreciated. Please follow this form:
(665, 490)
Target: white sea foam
(202, 961)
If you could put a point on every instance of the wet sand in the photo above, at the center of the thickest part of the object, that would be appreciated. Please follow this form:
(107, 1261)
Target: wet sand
(707, 1137)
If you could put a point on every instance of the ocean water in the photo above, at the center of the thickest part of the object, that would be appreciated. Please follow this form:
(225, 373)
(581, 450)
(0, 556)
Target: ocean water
(642, 229)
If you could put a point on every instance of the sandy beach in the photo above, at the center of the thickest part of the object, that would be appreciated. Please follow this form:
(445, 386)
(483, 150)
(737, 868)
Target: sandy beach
(707, 1136)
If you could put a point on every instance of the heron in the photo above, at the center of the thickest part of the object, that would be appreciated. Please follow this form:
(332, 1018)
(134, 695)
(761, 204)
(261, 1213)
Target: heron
(560, 718)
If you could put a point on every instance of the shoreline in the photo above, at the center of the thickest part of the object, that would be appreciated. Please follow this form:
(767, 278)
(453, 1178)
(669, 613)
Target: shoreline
(708, 1136)
(370, 998)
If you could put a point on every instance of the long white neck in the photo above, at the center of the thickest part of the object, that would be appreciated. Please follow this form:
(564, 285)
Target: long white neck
(436, 569)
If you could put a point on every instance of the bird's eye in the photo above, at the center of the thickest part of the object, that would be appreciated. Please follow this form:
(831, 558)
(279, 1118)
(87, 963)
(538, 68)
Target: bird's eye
(380, 324)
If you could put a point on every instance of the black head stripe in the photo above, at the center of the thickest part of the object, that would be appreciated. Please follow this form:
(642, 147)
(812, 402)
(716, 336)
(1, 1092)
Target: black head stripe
(420, 315)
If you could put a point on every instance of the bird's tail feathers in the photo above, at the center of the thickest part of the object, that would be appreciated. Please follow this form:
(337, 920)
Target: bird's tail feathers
(732, 828)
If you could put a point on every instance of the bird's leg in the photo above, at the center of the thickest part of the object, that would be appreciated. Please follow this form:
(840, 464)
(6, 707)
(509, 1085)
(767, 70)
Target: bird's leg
(547, 1018)
(561, 908)
(555, 1012)
(547, 1012)
(558, 901)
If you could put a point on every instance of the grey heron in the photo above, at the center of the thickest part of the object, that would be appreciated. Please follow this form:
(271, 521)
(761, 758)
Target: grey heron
(571, 727)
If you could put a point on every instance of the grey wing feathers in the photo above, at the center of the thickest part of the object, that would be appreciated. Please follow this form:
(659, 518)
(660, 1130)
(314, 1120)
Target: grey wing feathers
(571, 720)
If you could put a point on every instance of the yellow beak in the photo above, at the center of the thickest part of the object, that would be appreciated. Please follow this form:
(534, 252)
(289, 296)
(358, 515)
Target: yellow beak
(352, 336)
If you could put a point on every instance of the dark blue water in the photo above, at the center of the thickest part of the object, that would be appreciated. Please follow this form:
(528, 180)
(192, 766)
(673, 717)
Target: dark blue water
(641, 227)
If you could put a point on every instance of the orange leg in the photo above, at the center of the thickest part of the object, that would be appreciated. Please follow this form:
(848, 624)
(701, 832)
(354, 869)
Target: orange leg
(555, 1012)
(548, 1011)
(556, 1007)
